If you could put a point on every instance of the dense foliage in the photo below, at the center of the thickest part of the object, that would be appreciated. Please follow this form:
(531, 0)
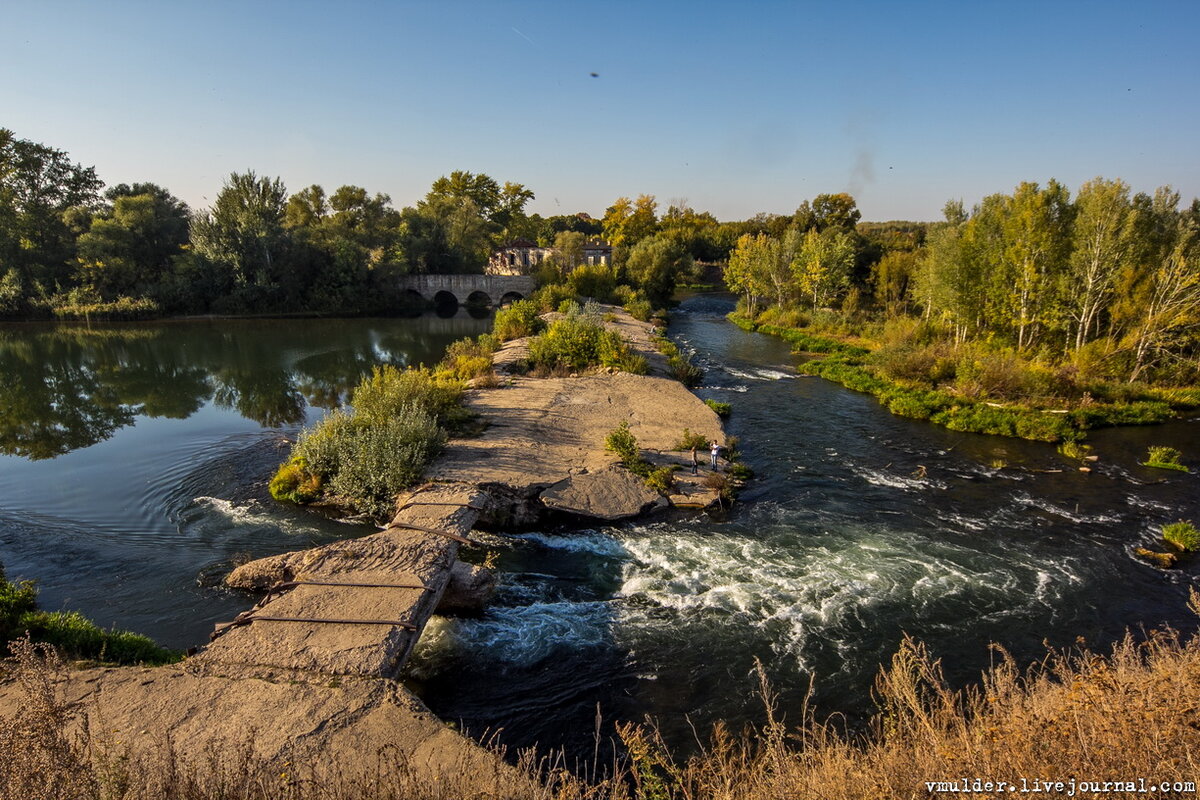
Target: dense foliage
(365, 457)
(578, 341)
(1034, 314)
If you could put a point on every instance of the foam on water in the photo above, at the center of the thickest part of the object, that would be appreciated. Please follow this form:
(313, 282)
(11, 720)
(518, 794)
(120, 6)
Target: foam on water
(909, 483)
(206, 512)
(515, 635)
(792, 590)
(759, 374)
(1076, 516)
(582, 542)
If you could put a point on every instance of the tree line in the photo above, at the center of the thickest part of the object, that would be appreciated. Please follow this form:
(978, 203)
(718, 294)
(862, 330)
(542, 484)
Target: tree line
(1108, 278)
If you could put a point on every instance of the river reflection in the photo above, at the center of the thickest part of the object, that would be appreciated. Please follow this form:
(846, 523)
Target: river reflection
(64, 387)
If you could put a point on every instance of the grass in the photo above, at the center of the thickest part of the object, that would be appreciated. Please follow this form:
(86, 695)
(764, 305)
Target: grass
(975, 387)
(1075, 714)
(1164, 458)
(1183, 536)
(71, 633)
(722, 410)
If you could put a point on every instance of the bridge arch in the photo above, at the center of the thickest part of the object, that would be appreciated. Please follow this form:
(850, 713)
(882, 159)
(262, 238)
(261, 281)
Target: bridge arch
(511, 297)
(479, 298)
(445, 289)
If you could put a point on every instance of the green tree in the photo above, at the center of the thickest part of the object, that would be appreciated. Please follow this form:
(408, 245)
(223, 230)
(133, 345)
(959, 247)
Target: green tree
(1102, 236)
(39, 187)
(822, 265)
(626, 223)
(244, 229)
(130, 247)
(1037, 236)
(654, 265)
(569, 249)
(834, 211)
(747, 271)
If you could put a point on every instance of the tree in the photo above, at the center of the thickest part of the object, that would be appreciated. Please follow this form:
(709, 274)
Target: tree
(1102, 235)
(822, 265)
(244, 229)
(893, 276)
(834, 211)
(1171, 310)
(569, 248)
(749, 264)
(626, 223)
(654, 265)
(38, 187)
(1037, 235)
(129, 248)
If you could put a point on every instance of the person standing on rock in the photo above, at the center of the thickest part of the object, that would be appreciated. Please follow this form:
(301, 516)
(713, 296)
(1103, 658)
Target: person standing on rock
(695, 460)
(715, 451)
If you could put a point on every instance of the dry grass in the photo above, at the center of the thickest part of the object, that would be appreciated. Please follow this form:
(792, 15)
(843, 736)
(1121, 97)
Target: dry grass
(1134, 713)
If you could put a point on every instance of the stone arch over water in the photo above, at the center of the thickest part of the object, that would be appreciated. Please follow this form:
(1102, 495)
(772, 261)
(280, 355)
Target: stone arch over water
(479, 298)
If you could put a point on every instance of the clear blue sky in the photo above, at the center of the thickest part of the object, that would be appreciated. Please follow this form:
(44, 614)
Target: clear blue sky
(735, 107)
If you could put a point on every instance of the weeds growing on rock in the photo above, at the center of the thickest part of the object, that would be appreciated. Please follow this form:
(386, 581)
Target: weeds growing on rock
(1164, 458)
(1183, 536)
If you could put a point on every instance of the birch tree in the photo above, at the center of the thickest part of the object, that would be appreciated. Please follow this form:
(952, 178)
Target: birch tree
(1102, 235)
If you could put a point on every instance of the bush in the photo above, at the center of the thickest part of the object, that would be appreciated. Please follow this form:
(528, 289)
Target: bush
(366, 457)
(690, 440)
(391, 391)
(380, 460)
(16, 599)
(597, 281)
(722, 410)
(575, 342)
(1182, 535)
(550, 297)
(661, 480)
(1164, 458)
(622, 442)
(517, 320)
(639, 307)
(294, 483)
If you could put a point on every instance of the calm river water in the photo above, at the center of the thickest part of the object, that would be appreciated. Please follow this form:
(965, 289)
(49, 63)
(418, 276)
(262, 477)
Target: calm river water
(138, 457)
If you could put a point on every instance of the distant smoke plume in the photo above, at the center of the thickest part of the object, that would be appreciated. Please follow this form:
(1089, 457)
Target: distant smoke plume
(862, 173)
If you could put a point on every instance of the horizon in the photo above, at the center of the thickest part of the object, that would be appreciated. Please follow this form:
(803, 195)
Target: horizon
(734, 110)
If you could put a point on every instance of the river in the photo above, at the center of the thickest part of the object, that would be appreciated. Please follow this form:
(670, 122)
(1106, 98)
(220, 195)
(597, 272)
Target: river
(153, 444)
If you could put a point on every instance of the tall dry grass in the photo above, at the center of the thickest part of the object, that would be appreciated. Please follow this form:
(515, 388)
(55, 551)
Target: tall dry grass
(1132, 713)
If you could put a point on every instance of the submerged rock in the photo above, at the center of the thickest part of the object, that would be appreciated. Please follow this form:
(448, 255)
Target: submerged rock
(1161, 560)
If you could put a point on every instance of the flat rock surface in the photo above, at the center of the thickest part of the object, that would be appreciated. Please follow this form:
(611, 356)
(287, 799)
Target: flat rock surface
(349, 629)
(611, 493)
(355, 724)
(544, 430)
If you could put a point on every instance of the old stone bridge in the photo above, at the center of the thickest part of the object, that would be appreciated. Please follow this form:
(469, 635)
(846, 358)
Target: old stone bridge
(481, 290)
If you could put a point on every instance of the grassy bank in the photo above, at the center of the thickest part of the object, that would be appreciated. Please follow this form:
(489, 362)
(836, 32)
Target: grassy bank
(970, 387)
(73, 635)
(1127, 715)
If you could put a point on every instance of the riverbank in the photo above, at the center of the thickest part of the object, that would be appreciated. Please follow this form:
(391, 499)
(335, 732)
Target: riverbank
(543, 448)
(921, 384)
